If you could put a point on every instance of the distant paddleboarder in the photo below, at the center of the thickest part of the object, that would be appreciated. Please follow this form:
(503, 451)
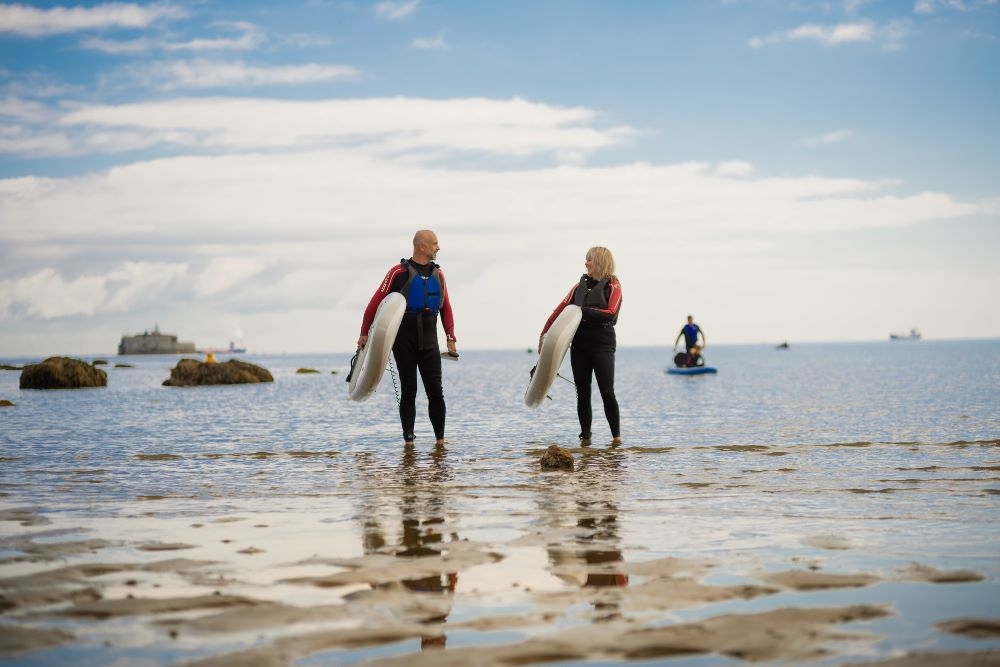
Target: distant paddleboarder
(690, 333)
(422, 284)
(592, 354)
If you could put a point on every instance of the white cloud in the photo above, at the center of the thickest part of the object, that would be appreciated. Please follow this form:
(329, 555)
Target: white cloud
(430, 43)
(251, 38)
(930, 6)
(118, 48)
(890, 35)
(33, 22)
(281, 200)
(834, 137)
(852, 6)
(25, 110)
(395, 11)
(132, 283)
(25, 140)
(36, 85)
(301, 40)
(47, 294)
(843, 33)
(261, 237)
(208, 74)
(224, 273)
(512, 127)
(734, 168)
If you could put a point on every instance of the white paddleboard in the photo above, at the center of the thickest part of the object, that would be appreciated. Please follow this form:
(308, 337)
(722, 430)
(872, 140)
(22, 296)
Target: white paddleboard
(372, 358)
(555, 343)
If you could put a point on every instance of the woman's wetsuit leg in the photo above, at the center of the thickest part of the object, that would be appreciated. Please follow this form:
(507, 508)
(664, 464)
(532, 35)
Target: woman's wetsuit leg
(593, 351)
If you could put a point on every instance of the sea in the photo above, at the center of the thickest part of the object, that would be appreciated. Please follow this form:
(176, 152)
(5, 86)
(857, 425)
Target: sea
(866, 456)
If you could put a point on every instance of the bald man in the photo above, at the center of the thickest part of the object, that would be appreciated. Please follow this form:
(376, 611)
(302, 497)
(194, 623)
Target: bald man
(422, 283)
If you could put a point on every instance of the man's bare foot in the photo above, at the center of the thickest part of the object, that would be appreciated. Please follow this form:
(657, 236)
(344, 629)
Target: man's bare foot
(616, 441)
(440, 442)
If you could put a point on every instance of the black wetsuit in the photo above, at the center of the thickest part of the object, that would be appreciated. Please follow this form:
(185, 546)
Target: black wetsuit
(592, 353)
(416, 347)
(416, 344)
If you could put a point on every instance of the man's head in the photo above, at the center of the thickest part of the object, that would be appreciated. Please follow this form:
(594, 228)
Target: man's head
(690, 319)
(425, 246)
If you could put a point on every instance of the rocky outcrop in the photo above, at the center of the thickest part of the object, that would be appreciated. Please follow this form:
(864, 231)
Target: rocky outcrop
(194, 373)
(62, 373)
(557, 457)
(306, 371)
(4, 403)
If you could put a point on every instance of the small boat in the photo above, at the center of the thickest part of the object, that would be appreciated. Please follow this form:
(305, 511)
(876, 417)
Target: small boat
(913, 335)
(232, 349)
(691, 370)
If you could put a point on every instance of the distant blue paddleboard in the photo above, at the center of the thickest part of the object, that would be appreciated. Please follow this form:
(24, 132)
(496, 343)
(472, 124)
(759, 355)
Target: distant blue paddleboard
(694, 370)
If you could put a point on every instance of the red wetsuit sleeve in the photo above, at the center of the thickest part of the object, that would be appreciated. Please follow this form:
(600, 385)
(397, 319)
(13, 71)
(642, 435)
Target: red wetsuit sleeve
(383, 291)
(555, 313)
(614, 303)
(447, 317)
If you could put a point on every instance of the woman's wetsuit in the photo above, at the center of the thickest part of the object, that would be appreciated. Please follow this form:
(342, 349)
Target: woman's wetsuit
(592, 353)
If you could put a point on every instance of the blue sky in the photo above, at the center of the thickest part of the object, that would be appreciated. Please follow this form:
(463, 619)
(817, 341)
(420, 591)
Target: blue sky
(784, 170)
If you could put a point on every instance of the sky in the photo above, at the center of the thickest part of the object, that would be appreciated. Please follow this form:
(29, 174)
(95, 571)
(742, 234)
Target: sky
(783, 170)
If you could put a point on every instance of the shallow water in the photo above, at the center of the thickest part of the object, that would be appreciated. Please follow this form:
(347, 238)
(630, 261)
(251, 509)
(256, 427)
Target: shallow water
(843, 458)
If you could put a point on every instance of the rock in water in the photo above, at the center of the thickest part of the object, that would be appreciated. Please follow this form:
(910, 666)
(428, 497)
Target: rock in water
(62, 373)
(557, 457)
(193, 373)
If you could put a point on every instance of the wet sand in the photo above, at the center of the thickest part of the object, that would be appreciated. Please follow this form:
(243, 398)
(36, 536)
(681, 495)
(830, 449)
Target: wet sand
(422, 560)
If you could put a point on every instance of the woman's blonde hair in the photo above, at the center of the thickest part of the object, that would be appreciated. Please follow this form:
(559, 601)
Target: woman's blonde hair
(603, 261)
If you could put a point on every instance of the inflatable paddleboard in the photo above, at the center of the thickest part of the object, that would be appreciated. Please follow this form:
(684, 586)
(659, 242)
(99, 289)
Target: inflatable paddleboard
(370, 363)
(550, 357)
(694, 370)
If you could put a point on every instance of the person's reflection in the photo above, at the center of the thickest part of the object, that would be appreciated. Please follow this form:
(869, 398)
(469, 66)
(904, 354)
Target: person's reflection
(585, 547)
(422, 505)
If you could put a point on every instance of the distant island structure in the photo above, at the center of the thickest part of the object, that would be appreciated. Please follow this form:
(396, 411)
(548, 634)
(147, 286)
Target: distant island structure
(154, 342)
(913, 335)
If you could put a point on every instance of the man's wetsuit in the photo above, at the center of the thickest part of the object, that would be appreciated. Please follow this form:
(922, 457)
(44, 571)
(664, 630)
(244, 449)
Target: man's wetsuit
(416, 345)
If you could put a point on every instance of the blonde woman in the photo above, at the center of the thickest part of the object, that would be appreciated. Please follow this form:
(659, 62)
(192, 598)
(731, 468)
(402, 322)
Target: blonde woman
(592, 354)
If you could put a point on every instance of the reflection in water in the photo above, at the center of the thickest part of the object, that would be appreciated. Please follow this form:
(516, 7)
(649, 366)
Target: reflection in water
(580, 510)
(417, 490)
